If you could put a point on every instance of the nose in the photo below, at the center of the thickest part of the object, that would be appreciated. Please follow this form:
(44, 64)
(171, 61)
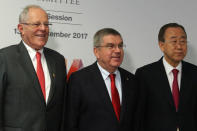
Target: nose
(43, 27)
(179, 45)
(117, 48)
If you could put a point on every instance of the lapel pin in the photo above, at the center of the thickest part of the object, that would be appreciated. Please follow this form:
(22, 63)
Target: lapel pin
(54, 75)
(127, 78)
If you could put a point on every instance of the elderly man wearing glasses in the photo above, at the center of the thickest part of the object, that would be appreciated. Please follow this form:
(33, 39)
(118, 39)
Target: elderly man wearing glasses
(32, 78)
(102, 96)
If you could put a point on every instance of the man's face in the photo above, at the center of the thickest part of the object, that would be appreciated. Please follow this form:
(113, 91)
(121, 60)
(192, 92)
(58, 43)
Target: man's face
(34, 30)
(175, 45)
(110, 53)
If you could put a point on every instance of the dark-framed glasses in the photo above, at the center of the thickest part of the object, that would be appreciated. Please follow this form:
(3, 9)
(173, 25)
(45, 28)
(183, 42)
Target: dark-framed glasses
(112, 46)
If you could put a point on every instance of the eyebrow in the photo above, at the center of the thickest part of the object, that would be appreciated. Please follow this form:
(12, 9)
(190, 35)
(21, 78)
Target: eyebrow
(173, 37)
(118, 44)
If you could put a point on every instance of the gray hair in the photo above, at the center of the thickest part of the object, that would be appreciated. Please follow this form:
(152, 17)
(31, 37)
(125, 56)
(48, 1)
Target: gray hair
(98, 37)
(24, 14)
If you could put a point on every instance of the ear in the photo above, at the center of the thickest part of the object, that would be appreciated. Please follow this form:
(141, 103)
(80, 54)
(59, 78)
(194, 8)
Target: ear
(20, 28)
(161, 45)
(96, 52)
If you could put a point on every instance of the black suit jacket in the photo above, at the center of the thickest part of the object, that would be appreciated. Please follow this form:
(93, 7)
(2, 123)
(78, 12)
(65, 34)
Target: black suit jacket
(22, 105)
(89, 104)
(156, 105)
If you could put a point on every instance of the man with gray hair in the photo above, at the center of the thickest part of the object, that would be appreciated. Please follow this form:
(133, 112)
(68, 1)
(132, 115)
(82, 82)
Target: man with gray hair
(32, 78)
(102, 96)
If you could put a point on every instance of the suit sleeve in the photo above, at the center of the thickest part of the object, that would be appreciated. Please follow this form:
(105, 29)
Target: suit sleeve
(2, 86)
(73, 104)
(141, 104)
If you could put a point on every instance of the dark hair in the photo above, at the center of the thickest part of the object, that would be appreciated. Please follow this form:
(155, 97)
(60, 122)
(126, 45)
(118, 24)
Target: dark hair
(98, 37)
(165, 27)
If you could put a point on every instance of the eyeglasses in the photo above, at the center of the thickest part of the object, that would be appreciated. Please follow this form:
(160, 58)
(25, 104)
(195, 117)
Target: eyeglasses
(174, 42)
(36, 25)
(112, 46)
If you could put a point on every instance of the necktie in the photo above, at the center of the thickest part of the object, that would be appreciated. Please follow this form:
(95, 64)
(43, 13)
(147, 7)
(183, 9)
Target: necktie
(40, 74)
(175, 89)
(115, 96)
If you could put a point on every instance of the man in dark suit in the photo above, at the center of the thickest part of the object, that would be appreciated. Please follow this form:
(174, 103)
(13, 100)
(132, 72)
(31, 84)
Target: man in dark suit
(32, 78)
(93, 102)
(168, 87)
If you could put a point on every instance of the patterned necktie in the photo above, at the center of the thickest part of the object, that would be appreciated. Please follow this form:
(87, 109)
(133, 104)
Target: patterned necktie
(175, 89)
(115, 96)
(40, 74)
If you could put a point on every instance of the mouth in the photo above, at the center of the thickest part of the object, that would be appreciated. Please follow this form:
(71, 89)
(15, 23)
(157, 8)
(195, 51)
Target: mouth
(41, 35)
(116, 57)
(179, 53)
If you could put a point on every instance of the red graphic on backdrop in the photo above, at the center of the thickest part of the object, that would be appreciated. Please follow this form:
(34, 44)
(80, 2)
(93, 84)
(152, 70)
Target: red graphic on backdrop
(76, 65)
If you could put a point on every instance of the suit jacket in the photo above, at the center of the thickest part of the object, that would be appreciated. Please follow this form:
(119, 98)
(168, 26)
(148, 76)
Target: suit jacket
(22, 105)
(90, 107)
(156, 106)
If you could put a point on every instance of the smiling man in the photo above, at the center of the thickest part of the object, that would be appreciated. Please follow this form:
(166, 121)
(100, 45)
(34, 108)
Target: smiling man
(102, 96)
(32, 78)
(168, 87)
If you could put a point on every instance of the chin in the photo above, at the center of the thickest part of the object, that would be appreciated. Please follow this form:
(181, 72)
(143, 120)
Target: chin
(116, 65)
(179, 58)
(41, 44)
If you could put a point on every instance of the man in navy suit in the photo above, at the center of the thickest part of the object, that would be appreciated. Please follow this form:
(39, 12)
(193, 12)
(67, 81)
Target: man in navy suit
(91, 100)
(168, 87)
(32, 78)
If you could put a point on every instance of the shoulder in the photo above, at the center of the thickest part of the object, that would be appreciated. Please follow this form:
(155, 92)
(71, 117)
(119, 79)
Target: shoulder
(86, 71)
(85, 75)
(150, 67)
(51, 52)
(189, 66)
(54, 56)
(9, 49)
(124, 72)
(9, 53)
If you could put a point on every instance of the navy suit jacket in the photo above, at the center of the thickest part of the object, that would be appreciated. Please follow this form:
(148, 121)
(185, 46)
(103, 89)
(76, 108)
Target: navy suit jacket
(156, 106)
(89, 104)
(22, 105)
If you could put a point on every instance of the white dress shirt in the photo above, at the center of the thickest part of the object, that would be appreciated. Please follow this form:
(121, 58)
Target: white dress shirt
(169, 68)
(32, 54)
(107, 80)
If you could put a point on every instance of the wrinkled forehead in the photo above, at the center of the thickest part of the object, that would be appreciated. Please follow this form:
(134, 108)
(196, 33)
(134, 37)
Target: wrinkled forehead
(175, 33)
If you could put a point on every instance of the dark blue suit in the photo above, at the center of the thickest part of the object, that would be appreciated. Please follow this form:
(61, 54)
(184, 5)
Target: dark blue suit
(90, 107)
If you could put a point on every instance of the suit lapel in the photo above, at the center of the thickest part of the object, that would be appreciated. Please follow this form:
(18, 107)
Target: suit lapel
(25, 61)
(185, 89)
(125, 87)
(102, 89)
(52, 72)
(162, 80)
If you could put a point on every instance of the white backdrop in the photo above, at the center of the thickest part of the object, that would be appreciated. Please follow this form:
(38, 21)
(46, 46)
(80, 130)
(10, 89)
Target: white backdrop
(76, 21)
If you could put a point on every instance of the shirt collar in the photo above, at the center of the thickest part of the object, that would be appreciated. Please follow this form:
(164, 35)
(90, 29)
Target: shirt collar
(31, 51)
(169, 68)
(105, 73)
